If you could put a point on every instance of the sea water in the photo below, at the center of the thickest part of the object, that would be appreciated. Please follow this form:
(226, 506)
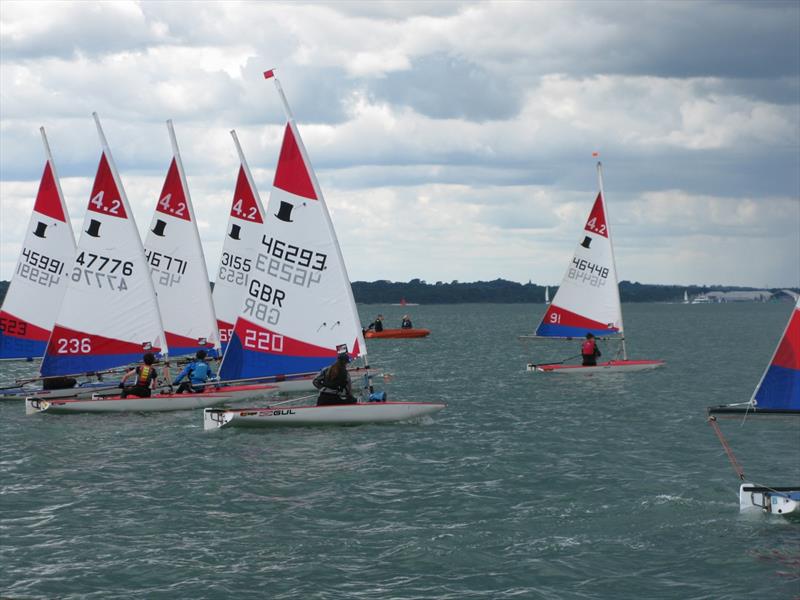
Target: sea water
(527, 485)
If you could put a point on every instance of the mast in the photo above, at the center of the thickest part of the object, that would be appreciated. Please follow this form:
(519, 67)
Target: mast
(613, 260)
(179, 163)
(140, 246)
(318, 191)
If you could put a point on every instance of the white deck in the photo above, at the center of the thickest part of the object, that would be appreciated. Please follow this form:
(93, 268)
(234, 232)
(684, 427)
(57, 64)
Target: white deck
(156, 403)
(614, 366)
(345, 414)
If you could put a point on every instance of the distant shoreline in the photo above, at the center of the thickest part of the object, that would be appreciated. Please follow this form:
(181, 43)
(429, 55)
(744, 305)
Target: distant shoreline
(502, 291)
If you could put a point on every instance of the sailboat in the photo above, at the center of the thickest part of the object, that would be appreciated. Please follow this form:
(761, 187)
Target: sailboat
(587, 301)
(547, 295)
(178, 266)
(776, 395)
(40, 278)
(686, 296)
(109, 316)
(299, 311)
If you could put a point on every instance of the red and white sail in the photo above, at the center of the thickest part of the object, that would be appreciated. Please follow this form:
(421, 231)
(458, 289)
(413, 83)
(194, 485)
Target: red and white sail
(242, 239)
(109, 315)
(178, 266)
(299, 305)
(40, 278)
(587, 300)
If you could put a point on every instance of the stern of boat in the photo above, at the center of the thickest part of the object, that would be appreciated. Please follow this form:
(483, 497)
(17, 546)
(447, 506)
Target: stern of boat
(214, 418)
(778, 501)
(35, 405)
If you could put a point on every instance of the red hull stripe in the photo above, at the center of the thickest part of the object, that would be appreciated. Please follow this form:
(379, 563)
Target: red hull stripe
(292, 174)
(175, 205)
(788, 353)
(106, 198)
(570, 319)
(259, 339)
(71, 343)
(47, 201)
(244, 200)
(181, 341)
(14, 327)
(613, 363)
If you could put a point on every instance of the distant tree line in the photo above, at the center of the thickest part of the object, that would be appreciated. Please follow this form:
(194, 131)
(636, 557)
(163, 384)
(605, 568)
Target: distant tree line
(498, 291)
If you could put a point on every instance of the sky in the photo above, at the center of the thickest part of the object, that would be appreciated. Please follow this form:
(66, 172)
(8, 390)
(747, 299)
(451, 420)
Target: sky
(452, 140)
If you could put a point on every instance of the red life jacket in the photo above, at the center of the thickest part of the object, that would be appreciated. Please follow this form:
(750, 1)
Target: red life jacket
(143, 379)
(588, 347)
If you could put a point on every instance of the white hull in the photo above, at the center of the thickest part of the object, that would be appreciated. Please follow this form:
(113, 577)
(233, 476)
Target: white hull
(73, 392)
(345, 414)
(621, 366)
(157, 403)
(775, 501)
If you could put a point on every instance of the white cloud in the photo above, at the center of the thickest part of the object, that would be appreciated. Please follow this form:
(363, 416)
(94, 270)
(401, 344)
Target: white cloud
(460, 132)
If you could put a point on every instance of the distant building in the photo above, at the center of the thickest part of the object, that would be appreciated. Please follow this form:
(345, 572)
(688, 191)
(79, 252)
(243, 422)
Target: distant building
(751, 296)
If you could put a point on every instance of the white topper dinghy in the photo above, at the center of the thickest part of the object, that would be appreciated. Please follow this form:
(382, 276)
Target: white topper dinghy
(587, 301)
(299, 308)
(345, 414)
(178, 267)
(106, 404)
(109, 316)
(777, 395)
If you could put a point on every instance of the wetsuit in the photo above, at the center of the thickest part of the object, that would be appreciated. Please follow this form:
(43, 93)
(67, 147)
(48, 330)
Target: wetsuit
(406, 324)
(334, 391)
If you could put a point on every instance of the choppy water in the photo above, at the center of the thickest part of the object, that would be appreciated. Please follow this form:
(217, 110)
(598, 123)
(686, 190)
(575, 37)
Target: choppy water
(526, 486)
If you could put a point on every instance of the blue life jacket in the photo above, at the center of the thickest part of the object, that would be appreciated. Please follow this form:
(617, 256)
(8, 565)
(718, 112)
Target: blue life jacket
(199, 372)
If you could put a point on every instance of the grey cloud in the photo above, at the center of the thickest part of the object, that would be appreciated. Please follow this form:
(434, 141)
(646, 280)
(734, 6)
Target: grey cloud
(449, 87)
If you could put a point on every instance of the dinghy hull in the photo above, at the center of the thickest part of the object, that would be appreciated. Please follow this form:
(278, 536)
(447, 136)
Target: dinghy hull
(783, 501)
(398, 333)
(345, 414)
(612, 366)
(155, 403)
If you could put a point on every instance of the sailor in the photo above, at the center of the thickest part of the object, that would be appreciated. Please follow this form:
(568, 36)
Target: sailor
(590, 351)
(406, 323)
(146, 377)
(376, 325)
(197, 372)
(333, 382)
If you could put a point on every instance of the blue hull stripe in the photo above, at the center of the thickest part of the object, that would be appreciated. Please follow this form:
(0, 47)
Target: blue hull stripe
(564, 331)
(14, 347)
(244, 364)
(71, 365)
(779, 389)
(183, 351)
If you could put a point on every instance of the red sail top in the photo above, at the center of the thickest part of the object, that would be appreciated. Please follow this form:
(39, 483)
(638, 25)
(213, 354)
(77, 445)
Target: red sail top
(597, 218)
(173, 198)
(292, 174)
(106, 198)
(48, 202)
(244, 200)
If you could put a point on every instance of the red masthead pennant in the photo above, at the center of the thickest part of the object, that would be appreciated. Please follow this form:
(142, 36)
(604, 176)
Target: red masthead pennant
(47, 201)
(292, 173)
(244, 200)
(597, 218)
(173, 198)
(106, 198)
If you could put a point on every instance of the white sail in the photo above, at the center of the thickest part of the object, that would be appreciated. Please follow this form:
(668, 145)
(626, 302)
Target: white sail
(299, 305)
(178, 267)
(239, 250)
(587, 300)
(40, 278)
(109, 315)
